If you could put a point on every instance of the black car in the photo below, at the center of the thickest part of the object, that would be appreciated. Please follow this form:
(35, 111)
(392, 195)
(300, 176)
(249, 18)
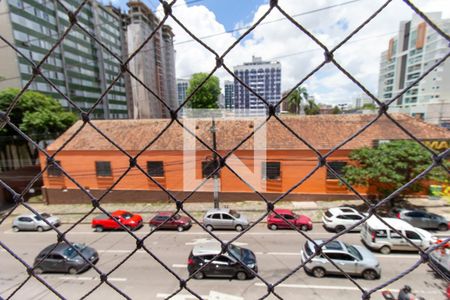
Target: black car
(423, 219)
(65, 259)
(225, 265)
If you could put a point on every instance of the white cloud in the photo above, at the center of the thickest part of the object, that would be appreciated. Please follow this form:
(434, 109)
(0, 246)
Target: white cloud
(298, 54)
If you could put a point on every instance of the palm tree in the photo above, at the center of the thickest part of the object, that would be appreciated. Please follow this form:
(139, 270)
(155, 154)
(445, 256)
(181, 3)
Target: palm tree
(296, 98)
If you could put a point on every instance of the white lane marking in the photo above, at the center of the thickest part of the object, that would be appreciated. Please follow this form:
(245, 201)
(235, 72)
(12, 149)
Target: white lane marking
(180, 296)
(412, 256)
(338, 287)
(179, 266)
(139, 233)
(120, 251)
(308, 286)
(81, 278)
(204, 240)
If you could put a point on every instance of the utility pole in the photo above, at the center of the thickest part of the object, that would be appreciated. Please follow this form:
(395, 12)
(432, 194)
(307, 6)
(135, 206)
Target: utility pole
(216, 175)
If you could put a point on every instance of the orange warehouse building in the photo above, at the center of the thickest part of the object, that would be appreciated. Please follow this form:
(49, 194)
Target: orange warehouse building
(272, 162)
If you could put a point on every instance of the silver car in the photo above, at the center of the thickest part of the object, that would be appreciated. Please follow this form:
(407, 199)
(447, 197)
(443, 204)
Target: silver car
(34, 222)
(353, 259)
(224, 218)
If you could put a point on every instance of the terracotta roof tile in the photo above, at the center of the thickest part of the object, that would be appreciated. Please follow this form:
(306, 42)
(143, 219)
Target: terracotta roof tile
(321, 131)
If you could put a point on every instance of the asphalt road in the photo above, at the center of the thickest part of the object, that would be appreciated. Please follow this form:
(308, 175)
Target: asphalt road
(142, 277)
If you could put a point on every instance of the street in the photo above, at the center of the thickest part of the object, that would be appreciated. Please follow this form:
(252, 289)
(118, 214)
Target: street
(142, 277)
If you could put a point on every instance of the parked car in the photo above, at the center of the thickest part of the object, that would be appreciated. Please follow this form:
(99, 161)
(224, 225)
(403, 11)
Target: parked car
(423, 219)
(353, 259)
(63, 258)
(35, 222)
(341, 218)
(105, 222)
(377, 235)
(224, 218)
(275, 222)
(177, 222)
(225, 265)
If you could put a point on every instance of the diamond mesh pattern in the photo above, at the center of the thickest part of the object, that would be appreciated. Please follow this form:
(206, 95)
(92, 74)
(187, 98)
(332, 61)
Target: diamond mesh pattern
(383, 107)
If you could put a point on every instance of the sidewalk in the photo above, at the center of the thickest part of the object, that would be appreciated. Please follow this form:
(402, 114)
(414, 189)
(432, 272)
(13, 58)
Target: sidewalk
(70, 213)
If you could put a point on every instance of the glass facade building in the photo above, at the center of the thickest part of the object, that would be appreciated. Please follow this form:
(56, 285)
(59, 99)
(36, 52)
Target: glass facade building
(79, 67)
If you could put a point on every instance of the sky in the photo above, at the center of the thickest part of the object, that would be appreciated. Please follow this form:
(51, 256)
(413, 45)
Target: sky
(219, 23)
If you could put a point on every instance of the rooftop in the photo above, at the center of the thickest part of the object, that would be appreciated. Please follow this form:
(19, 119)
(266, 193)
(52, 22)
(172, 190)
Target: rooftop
(321, 131)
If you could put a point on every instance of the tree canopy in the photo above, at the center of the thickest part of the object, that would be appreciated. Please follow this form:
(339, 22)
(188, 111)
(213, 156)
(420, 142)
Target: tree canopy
(390, 165)
(295, 99)
(35, 113)
(208, 94)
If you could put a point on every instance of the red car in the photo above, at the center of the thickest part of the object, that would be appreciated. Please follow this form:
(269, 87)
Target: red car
(104, 222)
(274, 222)
(177, 222)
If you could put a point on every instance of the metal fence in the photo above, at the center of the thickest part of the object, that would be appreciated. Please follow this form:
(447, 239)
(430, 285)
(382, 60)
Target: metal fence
(184, 283)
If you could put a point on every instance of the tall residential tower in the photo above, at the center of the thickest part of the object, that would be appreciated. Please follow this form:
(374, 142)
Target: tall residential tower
(79, 67)
(154, 64)
(264, 77)
(413, 51)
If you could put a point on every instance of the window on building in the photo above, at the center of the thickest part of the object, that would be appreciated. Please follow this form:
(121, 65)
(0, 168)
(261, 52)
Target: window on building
(271, 170)
(103, 168)
(155, 168)
(337, 166)
(208, 167)
(54, 171)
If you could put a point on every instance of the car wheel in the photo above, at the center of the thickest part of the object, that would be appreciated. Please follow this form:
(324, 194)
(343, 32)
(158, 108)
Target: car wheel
(239, 228)
(370, 275)
(443, 227)
(180, 228)
(99, 228)
(340, 228)
(318, 272)
(304, 228)
(199, 275)
(385, 250)
(15, 229)
(38, 270)
(73, 271)
(209, 228)
(241, 275)
(152, 227)
(40, 228)
(273, 227)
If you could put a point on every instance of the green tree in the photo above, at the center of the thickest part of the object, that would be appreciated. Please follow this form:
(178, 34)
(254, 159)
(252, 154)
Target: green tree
(311, 107)
(39, 116)
(296, 98)
(336, 110)
(208, 94)
(390, 165)
(370, 106)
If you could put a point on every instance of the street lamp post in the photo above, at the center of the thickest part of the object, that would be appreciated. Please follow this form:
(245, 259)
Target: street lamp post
(213, 130)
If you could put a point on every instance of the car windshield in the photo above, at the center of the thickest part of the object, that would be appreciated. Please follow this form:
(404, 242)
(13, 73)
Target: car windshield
(352, 250)
(70, 252)
(235, 251)
(235, 214)
(127, 215)
(43, 216)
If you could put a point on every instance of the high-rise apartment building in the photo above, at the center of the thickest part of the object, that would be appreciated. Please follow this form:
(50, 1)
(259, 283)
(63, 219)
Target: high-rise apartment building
(229, 94)
(182, 86)
(154, 64)
(264, 77)
(79, 66)
(413, 51)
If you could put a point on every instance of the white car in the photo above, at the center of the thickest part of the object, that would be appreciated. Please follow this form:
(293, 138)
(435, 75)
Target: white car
(341, 218)
(35, 223)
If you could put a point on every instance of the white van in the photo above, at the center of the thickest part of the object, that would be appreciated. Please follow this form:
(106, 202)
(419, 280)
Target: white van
(378, 236)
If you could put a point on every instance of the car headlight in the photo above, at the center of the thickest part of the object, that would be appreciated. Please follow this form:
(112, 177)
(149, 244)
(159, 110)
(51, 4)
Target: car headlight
(251, 266)
(309, 222)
